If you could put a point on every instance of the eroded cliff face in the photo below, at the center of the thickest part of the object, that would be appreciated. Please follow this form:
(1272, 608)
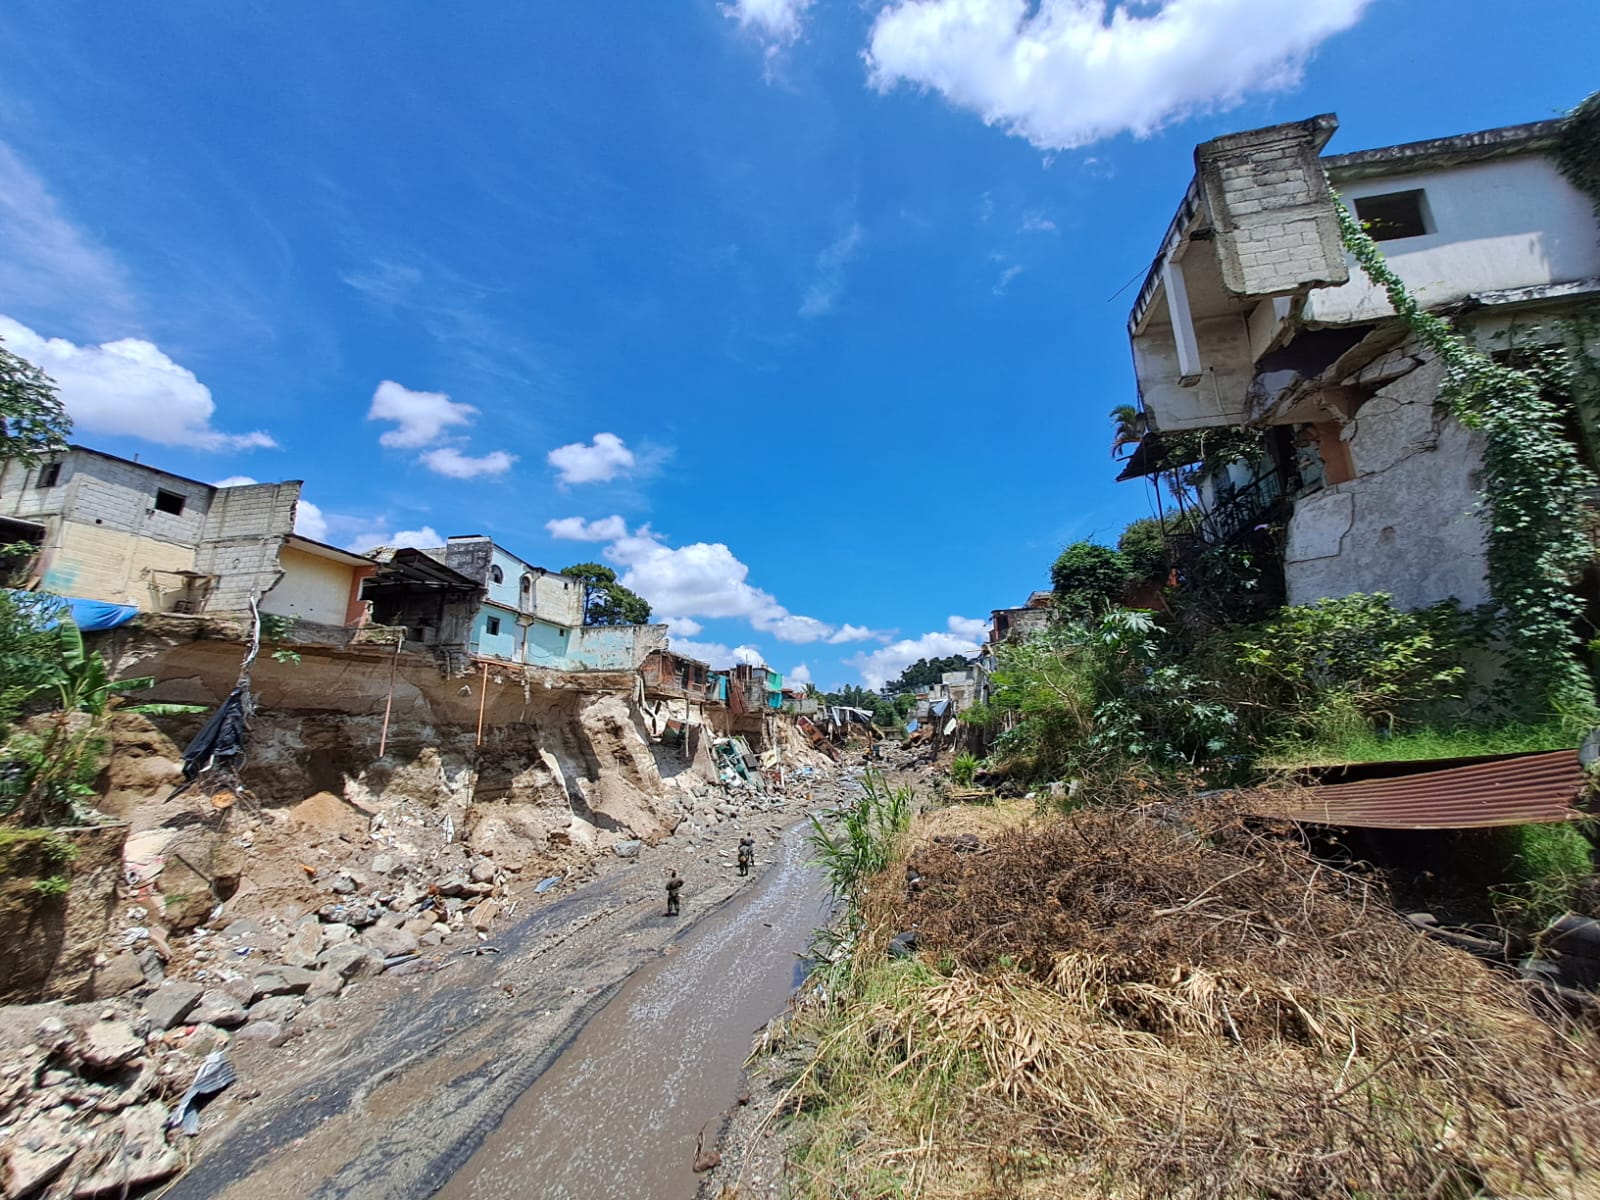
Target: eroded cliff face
(563, 761)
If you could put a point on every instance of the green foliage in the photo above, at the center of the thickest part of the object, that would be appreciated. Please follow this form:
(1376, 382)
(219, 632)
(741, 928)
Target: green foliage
(1102, 700)
(1544, 866)
(1325, 671)
(605, 601)
(1366, 744)
(274, 629)
(1129, 426)
(1088, 579)
(963, 768)
(1578, 148)
(1534, 487)
(924, 673)
(33, 423)
(52, 885)
(27, 653)
(1143, 545)
(864, 837)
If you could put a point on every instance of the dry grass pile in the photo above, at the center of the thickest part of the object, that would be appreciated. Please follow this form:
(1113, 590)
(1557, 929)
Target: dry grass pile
(1124, 1004)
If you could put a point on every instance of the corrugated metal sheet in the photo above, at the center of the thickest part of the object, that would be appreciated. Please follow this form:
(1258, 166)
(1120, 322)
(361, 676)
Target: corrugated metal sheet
(1522, 790)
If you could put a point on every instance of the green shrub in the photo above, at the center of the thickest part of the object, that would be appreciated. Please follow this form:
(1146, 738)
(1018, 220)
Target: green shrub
(1543, 867)
(962, 769)
(1088, 579)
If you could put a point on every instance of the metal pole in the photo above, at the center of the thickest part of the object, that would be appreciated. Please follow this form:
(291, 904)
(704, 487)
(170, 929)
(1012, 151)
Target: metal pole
(483, 695)
(388, 703)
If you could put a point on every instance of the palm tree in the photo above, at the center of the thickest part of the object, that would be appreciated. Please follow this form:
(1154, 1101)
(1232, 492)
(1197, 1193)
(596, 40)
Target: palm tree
(1131, 426)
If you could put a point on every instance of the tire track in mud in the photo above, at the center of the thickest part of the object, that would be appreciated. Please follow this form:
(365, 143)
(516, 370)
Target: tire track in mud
(402, 1102)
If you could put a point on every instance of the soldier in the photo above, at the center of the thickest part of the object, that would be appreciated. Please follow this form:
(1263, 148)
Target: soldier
(674, 886)
(747, 853)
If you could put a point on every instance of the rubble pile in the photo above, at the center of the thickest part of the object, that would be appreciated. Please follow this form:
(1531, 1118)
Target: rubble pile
(92, 1096)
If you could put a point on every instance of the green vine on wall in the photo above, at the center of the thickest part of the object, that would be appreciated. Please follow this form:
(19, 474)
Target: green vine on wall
(1534, 487)
(1578, 148)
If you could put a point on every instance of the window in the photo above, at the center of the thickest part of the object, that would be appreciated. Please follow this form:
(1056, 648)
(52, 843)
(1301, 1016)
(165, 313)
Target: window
(527, 584)
(169, 502)
(492, 625)
(1394, 215)
(49, 475)
(496, 575)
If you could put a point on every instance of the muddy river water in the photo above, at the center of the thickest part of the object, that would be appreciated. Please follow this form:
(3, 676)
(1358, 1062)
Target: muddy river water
(619, 1112)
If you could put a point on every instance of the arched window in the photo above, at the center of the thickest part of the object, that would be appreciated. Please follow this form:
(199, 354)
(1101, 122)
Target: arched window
(527, 584)
(496, 575)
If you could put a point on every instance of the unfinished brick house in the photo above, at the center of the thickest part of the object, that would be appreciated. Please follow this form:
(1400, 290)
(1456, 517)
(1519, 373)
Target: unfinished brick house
(1252, 315)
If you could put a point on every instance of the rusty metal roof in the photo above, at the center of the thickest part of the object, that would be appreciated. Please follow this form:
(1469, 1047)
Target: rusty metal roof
(1523, 789)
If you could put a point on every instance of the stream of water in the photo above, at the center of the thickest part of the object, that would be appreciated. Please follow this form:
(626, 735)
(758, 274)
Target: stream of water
(618, 1114)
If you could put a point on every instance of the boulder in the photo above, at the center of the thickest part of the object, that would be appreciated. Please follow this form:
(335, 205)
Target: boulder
(117, 976)
(170, 1003)
(483, 871)
(105, 1044)
(260, 1031)
(390, 942)
(277, 1009)
(35, 1156)
(483, 916)
(351, 961)
(217, 1007)
(304, 945)
(628, 848)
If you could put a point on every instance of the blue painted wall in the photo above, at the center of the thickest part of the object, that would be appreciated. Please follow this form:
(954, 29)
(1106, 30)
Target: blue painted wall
(548, 645)
(501, 645)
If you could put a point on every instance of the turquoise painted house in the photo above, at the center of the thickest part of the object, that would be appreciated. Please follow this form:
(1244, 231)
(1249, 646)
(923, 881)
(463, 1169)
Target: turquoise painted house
(534, 616)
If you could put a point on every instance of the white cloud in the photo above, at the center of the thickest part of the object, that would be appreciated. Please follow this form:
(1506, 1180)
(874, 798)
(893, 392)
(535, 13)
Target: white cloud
(1064, 73)
(447, 460)
(373, 536)
(883, 665)
(719, 656)
(851, 633)
(750, 656)
(1005, 279)
(128, 388)
(823, 294)
(974, 628)
(789, 627)
(599, 462)
(236, 481)
(1036, 222)
(309, 521)
(684, 627)
(576, 529)
(419, 417)
(776, 20)
(46, 261)
(798, 676)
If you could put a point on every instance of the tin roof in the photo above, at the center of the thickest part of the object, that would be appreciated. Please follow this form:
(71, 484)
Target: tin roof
(1523, 789)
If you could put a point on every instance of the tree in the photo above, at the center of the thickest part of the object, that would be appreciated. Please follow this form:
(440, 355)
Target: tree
(1089, 579)
(33, 422)
(925, 672)
(605, 601)
(1129, 427)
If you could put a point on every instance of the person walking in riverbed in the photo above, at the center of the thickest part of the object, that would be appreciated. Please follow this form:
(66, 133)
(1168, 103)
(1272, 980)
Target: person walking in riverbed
(747, 853)
(674, 886)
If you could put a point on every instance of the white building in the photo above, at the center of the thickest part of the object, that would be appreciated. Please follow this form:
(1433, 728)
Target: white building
(1253, 314)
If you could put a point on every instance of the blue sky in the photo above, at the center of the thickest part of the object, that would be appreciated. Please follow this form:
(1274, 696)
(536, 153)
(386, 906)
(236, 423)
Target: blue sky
(806, 314)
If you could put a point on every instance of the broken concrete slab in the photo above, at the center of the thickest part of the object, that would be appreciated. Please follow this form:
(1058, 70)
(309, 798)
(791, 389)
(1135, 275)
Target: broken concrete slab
(170, 1003)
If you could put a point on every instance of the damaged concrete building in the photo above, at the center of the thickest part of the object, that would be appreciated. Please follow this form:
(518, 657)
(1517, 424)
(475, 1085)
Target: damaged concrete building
(1253, 316)
(110, 529)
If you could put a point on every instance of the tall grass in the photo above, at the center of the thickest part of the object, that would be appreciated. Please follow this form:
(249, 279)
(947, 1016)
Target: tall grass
(963, 768)
(1365, 744)
(865, 835)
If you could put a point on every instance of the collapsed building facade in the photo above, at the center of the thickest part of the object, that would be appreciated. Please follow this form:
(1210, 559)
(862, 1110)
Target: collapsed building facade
(1253, 316)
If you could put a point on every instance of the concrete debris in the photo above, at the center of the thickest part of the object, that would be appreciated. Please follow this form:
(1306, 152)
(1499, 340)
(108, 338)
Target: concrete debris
(171, 1003)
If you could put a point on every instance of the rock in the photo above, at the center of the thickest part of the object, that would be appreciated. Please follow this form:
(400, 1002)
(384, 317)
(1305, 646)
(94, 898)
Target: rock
(343, 884)
(483, 916)
(217, 1007)
(277, 1009)
(34, 1158)
(304, 946)
(385, 864)
(483, 871)
(170, 1003)
(247, 933)
(119, 975)
(390, 942)
(419, 925)
(204, 1040)
(260, 1031)
(240, 987)
(318, 1014)
(453, 885)
(108, 1043)
(143, 1159)
(151, 965)
(478, 889)
(298, 978)
(329, 983)
(416, 966)
(432, 938)
(628, 849)
(283, 981)
(337, 934)
(351, 961)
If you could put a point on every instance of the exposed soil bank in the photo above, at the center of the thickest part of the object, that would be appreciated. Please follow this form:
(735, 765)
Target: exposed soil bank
(620, 1112)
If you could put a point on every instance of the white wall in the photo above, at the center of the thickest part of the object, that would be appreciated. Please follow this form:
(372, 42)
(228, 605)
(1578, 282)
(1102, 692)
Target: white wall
(1511, 223)
(314, 589)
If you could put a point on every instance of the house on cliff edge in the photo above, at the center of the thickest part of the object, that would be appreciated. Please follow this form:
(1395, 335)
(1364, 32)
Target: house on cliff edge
(1253, 317)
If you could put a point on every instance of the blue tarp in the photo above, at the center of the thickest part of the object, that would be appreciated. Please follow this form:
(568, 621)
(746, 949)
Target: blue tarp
(88, 615)
(912, 725)
(938, 706)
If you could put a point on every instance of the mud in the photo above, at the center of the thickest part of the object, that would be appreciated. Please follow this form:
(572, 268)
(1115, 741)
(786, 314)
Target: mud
(622, 1112)
(420, 1070)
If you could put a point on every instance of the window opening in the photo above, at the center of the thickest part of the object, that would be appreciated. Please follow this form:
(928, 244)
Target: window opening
(1393, 215)
(169, 502)
(49, 475)
(493, 624)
